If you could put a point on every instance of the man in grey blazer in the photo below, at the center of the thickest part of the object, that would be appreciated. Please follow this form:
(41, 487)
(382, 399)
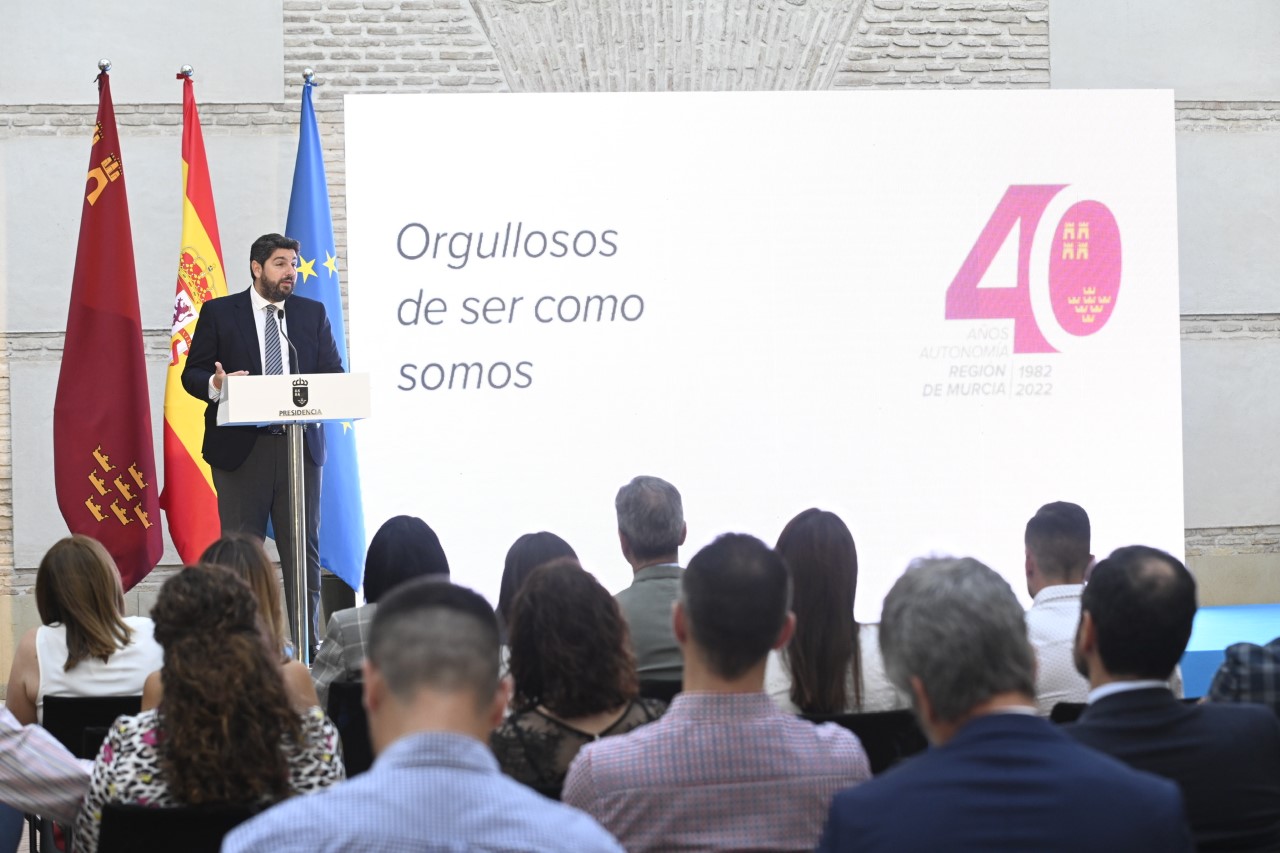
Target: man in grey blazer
(651, 530)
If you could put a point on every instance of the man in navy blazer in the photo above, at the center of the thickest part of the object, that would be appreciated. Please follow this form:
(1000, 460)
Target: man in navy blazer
(1135, 621)
(240, 335)
(998, 777)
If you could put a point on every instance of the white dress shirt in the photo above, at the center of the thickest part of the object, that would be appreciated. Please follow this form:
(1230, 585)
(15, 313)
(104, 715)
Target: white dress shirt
(259, 304)
(1051, 628)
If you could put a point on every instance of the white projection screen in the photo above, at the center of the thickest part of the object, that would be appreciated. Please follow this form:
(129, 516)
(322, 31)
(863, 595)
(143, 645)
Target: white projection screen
(929, 312)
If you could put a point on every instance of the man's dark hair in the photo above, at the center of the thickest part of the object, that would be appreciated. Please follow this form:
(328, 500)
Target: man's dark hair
(736, 595)
(429, 633)
(1058, 537)
(1142, 602)
(266, 245)
(405, 547)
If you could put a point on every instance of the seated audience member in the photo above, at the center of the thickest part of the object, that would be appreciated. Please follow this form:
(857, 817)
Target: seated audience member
(86, 646)
(432, 689)
(832, 663)
(1057, 554)
(997, 777)
(724, 768)
(1134, 625)
(651, 530)
(225, 731)
(38, 775)
(1249, 673)
(575, 676)
(526, 554)
(404, 548)
(243, 556)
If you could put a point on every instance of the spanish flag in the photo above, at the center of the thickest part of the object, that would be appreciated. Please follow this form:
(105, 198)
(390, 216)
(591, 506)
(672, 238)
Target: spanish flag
(103, 459)
(189, 499)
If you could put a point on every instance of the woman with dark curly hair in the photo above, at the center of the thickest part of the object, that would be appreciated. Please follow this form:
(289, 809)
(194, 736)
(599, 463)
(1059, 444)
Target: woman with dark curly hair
(225, 731)
(575, 676)
(242, 554)
(832, 663)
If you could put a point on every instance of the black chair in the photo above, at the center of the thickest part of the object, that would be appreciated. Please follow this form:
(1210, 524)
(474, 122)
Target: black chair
(887, 736)
(80, 723)
(660, 688)
(1066, 712)
(346, 710)
(192, 829)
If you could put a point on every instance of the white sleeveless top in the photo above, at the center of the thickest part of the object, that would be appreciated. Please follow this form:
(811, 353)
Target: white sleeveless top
(122, 675)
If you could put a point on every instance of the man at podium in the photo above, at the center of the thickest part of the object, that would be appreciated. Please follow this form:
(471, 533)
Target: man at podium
(263, 330)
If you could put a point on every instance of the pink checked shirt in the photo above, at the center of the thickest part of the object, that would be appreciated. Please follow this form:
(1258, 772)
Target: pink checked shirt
(717, 772)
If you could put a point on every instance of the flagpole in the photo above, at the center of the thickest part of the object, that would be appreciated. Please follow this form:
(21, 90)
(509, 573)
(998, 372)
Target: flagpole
(297, 499)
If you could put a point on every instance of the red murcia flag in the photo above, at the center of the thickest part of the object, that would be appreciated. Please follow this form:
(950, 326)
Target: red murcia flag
(104, 464)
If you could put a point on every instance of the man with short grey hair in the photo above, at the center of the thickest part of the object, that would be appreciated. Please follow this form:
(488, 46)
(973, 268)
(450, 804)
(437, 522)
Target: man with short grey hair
(433, 693)
(954, 638)
(651, 530)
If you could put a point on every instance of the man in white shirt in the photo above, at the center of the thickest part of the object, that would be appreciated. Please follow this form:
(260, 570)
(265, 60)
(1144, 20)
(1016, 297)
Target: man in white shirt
(1057, 547)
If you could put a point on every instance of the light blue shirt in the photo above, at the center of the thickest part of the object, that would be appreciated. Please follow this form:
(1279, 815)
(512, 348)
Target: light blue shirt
(426, 792)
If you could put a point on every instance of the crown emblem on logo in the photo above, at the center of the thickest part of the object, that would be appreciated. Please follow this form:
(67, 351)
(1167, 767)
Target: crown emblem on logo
(300, 392)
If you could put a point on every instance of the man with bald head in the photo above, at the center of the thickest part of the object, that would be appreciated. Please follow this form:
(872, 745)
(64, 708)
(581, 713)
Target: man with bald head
(1135, 621)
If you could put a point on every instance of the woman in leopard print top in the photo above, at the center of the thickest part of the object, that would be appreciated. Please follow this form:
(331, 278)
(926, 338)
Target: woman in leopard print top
(220, 675)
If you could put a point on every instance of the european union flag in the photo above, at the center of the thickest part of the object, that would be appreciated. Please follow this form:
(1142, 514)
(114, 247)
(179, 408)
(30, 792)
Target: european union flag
(342, 542)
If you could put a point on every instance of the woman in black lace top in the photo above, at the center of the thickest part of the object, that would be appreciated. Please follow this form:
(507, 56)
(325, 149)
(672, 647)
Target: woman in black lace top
(575, 676)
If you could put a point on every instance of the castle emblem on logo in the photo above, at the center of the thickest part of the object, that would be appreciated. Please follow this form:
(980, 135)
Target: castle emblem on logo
(300, 393)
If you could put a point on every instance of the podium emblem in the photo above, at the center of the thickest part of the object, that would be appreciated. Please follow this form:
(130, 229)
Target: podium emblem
(300, 393)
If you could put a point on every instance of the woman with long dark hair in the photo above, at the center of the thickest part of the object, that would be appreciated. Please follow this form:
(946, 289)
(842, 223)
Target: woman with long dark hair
(86, 646)
(832, 664)
(526, 554)
(225, 731)
(574, 672)
(242, 554)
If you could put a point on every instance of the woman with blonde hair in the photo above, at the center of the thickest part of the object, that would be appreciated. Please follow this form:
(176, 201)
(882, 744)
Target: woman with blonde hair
(225, 731)
(86, 646)
(243, 556)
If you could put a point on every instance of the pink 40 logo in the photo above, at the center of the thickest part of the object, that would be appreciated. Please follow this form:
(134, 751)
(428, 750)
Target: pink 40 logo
(1083, 274)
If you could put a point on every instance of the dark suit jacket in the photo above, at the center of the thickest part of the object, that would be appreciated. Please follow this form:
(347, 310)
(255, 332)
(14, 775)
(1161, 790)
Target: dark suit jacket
(1009, 782)
(1226, 759)
(227, 333)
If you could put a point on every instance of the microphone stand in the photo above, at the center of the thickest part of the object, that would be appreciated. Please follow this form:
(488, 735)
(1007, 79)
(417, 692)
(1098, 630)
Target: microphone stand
(299, 619)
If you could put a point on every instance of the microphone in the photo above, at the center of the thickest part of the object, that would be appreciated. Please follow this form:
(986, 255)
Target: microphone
(294, 360)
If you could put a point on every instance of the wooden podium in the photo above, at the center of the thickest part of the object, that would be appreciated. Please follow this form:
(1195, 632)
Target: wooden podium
(295, 400)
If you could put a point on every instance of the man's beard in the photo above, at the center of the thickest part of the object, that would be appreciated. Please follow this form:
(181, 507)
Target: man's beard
(274, 291)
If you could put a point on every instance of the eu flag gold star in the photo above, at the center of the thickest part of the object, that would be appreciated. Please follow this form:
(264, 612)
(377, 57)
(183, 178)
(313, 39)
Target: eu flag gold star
(307, 268)
(331, 264)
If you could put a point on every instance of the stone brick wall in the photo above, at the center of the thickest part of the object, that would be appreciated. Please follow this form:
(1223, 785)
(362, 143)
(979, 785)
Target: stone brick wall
(932, 43)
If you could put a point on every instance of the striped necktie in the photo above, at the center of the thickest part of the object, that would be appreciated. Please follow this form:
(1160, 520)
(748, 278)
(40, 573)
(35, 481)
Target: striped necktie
(271, 339)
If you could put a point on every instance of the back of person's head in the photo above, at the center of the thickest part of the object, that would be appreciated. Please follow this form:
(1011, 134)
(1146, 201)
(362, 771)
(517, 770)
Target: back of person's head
(1142, 602)
(651, 516)
(570, 648)
(404, 548)
(78, 586)
(957, 626)
(432, 635)
(735, 594)
(224, 714)
(526, 554)
(1057, 536)
(819, 552)
(243, 555)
